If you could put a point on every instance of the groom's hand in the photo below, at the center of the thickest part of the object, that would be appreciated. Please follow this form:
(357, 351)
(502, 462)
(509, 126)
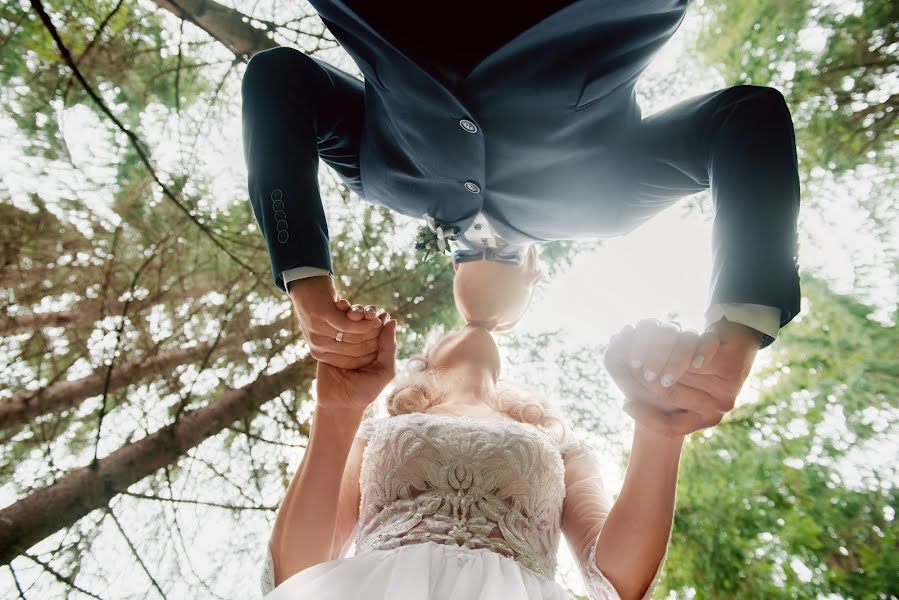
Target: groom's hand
(666, 390)
(322, 316)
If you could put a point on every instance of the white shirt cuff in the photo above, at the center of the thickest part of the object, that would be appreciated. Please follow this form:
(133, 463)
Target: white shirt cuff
(301, 273)
(764, 319)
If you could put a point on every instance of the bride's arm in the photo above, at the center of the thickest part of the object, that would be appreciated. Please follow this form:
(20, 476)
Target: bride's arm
(634, 539)
(620, 547)
(304, 530)
(305, 527)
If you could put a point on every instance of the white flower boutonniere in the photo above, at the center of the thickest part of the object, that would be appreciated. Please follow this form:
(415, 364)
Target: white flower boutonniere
(433, 237)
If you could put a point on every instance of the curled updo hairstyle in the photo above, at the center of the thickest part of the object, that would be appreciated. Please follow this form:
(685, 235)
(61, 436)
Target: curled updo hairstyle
(419, 389)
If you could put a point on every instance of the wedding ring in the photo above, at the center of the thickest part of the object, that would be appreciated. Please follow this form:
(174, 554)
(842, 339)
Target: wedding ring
(339, 336)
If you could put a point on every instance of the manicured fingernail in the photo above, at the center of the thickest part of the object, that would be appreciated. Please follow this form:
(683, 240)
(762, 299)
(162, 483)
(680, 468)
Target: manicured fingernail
(697, 362)
(649, 375)
(666, 380)
(636, 363)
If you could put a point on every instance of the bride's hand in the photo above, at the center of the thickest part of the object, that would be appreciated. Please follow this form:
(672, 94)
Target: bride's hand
(352, 390)
(648, 363)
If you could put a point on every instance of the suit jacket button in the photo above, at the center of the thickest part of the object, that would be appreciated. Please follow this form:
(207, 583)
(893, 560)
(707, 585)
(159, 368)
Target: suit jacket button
(277, 194)
(472, 187)
(468, 126)
(282, 236)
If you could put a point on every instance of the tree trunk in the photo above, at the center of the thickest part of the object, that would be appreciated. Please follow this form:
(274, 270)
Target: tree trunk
(77, 493)
(28, 404)
(228, 26)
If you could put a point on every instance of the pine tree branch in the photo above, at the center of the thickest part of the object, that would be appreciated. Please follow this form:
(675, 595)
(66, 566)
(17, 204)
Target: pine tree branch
(132, 137)
(91, 44)
(64, 395)
(228, 26)
(45, 511)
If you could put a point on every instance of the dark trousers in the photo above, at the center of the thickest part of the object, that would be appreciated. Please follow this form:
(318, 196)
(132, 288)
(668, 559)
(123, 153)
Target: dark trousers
(739, 141)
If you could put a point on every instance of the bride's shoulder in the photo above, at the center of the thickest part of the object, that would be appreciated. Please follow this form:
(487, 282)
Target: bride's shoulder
(572, 447)
(370, 425)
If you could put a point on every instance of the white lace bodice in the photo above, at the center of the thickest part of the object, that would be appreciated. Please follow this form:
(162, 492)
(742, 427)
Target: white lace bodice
(471, 482)
(495, 485)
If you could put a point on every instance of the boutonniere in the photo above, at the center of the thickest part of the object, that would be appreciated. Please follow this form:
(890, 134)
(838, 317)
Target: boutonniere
(433, 237)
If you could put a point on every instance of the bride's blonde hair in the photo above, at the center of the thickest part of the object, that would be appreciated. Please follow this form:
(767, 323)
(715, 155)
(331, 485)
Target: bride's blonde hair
(419, 389)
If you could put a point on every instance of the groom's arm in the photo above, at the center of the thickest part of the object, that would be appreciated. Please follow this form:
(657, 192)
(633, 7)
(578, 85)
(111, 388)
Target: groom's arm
(752, 165)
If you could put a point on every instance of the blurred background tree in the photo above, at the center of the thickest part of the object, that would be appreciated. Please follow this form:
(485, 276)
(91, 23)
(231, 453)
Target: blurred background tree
(155, 394)
(794, 495)
(835, 62)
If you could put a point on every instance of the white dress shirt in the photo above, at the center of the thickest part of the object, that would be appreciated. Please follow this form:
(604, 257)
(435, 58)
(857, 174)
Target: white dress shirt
(764, 319)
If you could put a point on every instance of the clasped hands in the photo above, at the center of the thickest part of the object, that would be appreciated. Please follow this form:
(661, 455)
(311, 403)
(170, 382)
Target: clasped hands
(677, 382)
(338, 333)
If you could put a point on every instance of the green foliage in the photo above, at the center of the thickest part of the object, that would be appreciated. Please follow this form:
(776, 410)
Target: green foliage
(785, 480)
(843, 96)
(132, 62)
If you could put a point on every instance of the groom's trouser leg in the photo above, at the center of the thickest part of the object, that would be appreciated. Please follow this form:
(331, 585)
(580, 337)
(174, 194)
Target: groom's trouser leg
(740, 142)
(296, 109)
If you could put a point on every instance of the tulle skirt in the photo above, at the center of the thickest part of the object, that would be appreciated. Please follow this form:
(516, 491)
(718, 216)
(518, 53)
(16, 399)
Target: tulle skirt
(423, 571)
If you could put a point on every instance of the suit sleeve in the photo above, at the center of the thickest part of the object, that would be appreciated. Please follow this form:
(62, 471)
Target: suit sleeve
(739, 142)
(281, 93)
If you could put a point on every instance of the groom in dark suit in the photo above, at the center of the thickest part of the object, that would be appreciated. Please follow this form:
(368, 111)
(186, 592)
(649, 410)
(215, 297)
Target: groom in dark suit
(512, 124)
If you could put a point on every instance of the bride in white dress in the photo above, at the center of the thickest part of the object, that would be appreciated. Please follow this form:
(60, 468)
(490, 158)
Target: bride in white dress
(463, 491)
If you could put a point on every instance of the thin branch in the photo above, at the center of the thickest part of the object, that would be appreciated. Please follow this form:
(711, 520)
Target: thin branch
(265, 440)
(16, 581)
(223, 477)
(135, 141)
(91, 44)
(178, 536)
(178, 69)
(59, 576)
(14, 29)
(137, 557)
(197, 502)
(119, 338)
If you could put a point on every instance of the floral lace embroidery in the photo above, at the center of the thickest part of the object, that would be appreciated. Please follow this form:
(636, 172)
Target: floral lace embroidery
(477, 483)
(267, 581)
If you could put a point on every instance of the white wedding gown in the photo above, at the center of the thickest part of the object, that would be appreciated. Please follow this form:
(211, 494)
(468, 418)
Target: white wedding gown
(461, 508)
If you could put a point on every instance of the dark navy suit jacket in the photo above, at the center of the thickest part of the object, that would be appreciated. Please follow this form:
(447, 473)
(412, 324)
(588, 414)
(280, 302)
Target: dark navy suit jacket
(545, 136)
